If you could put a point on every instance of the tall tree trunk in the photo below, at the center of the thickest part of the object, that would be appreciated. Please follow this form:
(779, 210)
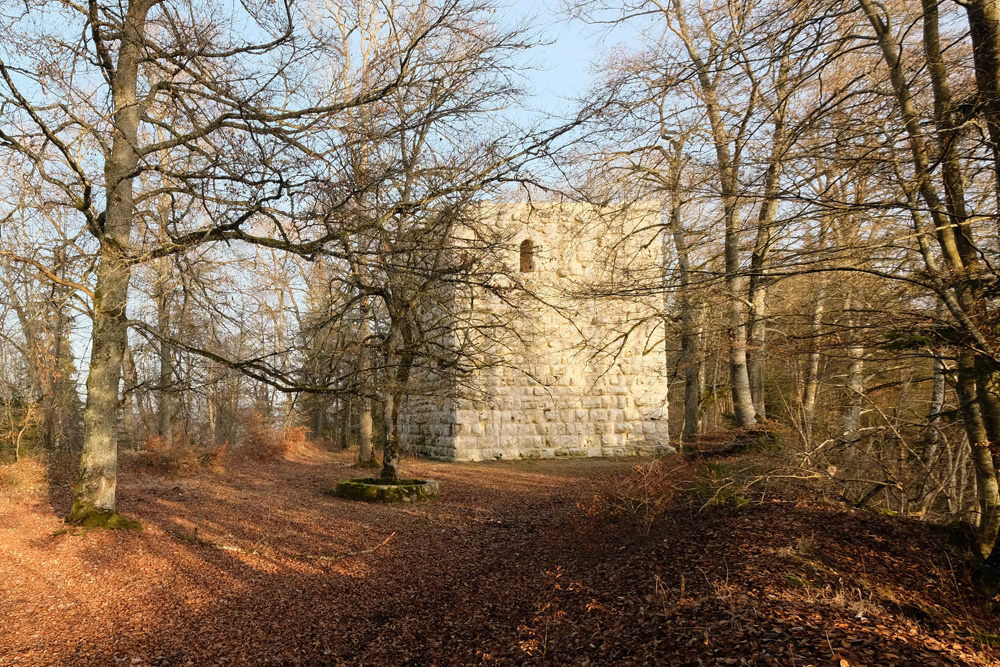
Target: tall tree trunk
(984, 26)
(366, 453)
(727, 170)
(165, 389)
(757, 359)
(855, 388)
(811, 388)
(404, 357)
(390, 457)
(693, 363)
(213, 419)
(94, 492)
(692, 311)
(987, 488)
(933, 438)
(760, 259)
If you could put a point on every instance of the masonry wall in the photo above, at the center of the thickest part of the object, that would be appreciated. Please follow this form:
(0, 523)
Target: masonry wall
(576, 374)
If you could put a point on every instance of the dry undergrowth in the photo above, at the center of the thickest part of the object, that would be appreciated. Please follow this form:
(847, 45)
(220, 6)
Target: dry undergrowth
(25, 478)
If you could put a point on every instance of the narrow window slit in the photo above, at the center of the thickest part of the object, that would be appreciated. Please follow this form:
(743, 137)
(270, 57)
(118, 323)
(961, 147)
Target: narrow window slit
(527, 256)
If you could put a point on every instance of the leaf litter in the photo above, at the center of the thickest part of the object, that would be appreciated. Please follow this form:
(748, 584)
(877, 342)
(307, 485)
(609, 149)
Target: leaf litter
(260, 565)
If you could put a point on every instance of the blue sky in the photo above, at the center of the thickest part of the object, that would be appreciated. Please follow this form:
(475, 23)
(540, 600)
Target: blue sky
(563, 65)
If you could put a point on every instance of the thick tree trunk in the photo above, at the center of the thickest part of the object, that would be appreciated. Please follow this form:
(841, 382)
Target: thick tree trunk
(694, 371)
(982, 458)
(213, 420)
(739, 378)
(366, 454)
(398, 388)
(390, 457)
(94, 492)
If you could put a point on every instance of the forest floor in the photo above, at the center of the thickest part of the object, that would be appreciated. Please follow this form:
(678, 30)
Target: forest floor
(516, 563)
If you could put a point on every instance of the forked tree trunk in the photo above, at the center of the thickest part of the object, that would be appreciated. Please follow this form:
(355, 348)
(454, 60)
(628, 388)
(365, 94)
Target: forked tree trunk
(94, 492)
(390, 457)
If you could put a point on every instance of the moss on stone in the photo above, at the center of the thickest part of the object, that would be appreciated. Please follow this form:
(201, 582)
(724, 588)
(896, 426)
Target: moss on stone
(374, 490)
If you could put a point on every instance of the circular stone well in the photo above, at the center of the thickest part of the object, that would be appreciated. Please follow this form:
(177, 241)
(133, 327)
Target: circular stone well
(373, 490)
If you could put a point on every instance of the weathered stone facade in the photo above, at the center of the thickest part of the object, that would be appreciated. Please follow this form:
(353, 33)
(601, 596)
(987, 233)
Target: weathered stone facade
(575, 374)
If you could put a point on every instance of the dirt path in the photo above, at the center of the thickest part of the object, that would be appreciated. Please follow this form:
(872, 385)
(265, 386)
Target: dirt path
(251, 566)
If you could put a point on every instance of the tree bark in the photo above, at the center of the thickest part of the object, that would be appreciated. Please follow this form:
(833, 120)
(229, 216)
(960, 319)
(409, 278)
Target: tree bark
(94, 492)
(736, 281)
(984, 26)
(691, 310)
(366, 454)
(811, 388)
(760, 259)
(165, 407)
(398, 388)
(855, 387)
(988, 491)
(933, 438)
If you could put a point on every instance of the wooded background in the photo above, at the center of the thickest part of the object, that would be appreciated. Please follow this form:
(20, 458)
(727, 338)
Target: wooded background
(228, 221)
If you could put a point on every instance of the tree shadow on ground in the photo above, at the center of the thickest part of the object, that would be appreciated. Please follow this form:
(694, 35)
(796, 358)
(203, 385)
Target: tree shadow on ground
(230, 569)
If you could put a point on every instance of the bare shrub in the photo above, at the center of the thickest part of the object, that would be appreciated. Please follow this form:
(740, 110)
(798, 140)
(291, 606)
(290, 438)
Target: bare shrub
(261, 441)
(640, 495)
(160, 456)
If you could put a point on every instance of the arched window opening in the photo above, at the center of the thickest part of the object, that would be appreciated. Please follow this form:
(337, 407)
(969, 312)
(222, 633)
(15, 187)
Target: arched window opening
(527, 256)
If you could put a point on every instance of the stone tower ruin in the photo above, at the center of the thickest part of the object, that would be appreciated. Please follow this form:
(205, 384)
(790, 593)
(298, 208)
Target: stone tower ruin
(582, 370)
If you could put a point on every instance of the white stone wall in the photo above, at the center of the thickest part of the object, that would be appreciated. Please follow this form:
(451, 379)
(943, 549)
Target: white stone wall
(575, 374)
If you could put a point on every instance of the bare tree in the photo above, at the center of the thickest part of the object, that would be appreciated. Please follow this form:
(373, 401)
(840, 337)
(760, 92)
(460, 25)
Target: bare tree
(235, 127)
